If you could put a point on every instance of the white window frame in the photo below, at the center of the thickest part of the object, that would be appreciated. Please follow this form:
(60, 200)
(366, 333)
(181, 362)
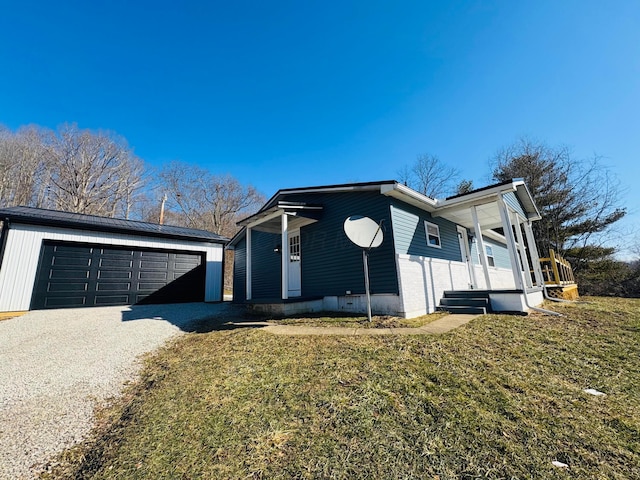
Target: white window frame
(436, 236)
(491, 260)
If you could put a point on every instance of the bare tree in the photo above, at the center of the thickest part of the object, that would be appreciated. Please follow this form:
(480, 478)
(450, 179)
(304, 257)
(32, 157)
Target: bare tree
(24, 171)
(430, 176)
(207, 201)
(92, 172)
(197, 198)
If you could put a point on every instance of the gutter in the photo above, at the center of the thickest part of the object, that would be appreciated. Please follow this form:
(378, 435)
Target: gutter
(402, 192)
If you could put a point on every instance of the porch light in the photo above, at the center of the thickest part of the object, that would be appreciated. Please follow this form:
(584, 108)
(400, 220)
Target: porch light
(277, 249)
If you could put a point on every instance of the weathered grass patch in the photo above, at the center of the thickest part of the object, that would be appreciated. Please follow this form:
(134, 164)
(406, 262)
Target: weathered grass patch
(323, 320)
(499, 398)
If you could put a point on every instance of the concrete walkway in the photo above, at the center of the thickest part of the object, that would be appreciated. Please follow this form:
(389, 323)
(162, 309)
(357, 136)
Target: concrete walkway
(442, 325)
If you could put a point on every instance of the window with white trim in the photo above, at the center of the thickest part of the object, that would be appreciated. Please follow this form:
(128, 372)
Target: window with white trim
(490, 259)
(433, 234)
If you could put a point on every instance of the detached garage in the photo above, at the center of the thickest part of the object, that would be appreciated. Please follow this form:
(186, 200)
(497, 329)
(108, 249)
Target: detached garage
(52, 259)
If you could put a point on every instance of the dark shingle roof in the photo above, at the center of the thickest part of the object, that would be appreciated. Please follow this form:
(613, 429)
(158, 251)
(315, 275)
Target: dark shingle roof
(55, 218)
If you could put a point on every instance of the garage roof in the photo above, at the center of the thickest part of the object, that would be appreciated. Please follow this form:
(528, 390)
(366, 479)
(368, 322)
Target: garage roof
(55, 218)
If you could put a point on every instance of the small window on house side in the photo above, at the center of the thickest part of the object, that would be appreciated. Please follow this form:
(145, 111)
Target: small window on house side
(490, 259)
(433, 234)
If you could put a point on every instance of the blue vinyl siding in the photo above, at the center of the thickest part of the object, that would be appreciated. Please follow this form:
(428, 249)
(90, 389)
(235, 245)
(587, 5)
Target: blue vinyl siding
(411, 238)
(500, 253)
(331, 264)
(240, 271)
(265, 266)
(511, 199)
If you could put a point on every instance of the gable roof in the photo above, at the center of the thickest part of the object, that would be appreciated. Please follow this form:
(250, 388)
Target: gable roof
(56, 218)
(341, 187)
(454, 208)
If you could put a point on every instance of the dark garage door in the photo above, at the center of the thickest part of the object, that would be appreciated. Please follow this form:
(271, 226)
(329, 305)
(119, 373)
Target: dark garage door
(79, 275)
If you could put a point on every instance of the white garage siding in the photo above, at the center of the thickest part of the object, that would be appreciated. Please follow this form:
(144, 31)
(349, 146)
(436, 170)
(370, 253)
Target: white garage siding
(24, 244)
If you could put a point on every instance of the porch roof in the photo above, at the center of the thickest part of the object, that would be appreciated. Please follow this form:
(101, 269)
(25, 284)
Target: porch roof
(458, 208)
(270, 219)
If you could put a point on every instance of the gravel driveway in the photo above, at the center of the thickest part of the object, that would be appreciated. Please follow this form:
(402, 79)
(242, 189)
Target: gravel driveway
(57, 365)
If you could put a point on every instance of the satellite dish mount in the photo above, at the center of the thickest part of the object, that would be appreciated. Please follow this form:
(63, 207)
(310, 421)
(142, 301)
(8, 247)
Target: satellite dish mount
(366, 234)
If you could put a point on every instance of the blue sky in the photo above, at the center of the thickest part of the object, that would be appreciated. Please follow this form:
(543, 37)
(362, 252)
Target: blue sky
(286, 94)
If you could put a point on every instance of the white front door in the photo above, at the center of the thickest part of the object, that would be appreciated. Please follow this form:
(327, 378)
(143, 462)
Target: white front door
(294, 264)
(465, 252)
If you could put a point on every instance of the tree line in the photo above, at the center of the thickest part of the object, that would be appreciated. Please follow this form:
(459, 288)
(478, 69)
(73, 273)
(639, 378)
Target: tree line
(96, 172)
(579, 200)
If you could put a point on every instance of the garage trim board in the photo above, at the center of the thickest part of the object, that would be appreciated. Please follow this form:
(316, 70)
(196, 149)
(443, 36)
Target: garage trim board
(148, 263)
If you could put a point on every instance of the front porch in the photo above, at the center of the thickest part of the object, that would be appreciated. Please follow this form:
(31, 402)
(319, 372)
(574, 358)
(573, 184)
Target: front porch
(502, 214)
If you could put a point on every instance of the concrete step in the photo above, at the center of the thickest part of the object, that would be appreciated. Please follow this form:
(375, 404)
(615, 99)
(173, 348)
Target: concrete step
(464, 309)
(466, 294)
(465, 302)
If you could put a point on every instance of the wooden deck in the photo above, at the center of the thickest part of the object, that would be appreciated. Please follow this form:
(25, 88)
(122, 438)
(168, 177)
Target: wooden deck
(558, 277)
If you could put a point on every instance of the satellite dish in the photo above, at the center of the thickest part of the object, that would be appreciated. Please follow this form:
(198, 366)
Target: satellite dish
(363, 231)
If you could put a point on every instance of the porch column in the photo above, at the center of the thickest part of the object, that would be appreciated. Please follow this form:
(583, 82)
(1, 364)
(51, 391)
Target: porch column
(284, 256)
(248, 264)
(523, 253)
(481, 250)
(533, 253)
(511, 244)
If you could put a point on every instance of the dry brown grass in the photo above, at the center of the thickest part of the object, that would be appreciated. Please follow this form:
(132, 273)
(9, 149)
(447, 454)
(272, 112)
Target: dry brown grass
(500, 398)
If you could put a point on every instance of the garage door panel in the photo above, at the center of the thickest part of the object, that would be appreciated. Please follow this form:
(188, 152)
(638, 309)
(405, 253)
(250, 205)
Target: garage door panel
(111, 287)
(60, 261)
(107, 300)
(153, 276)
(68, 287)
(185, 267)
(154, 255)
(66, 250)
(67, 301)
(59, 274)
(115, 276)
(111, 262)
(152, 265)
(113, 252)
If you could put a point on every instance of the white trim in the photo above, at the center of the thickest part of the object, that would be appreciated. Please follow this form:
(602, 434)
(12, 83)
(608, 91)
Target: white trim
(284, 257)
(482, 253)
(248, 265)
(428, 224)
(294, 265)
(511, 243)
(491, 258)
(408, 195)
(465, 252)
(264, 219)
(533, 252)
(480, 195)
(526, 268)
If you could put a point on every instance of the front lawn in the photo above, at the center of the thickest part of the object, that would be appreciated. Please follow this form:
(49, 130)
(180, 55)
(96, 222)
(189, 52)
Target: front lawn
(501, 398)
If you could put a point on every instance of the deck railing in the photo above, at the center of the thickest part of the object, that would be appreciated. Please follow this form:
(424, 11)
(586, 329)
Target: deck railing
(556, 270)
